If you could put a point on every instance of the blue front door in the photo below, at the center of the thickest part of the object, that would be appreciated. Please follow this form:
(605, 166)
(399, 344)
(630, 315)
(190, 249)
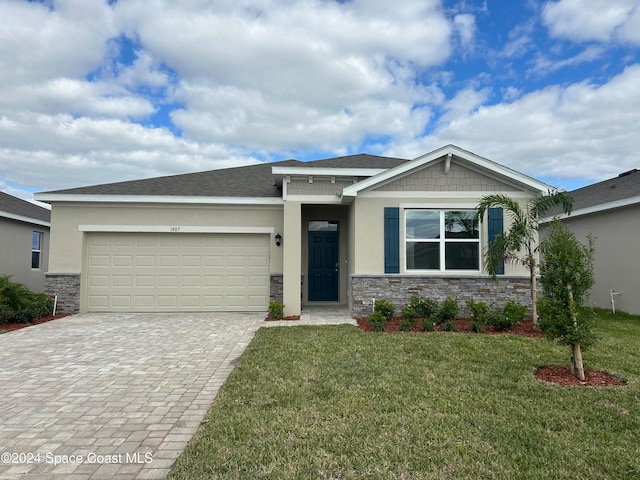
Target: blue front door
(323, 265)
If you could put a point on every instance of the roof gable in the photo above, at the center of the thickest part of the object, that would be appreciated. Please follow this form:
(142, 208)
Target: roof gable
(447, 155)
(18, 209)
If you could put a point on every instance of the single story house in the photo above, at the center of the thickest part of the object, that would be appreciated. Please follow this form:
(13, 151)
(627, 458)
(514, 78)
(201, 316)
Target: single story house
(339, 231)
(610, 211)
(24, 236)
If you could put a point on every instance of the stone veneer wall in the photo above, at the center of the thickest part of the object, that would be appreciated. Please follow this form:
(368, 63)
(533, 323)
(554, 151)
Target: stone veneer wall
(276, 291)
(67, 287)
(400, 288)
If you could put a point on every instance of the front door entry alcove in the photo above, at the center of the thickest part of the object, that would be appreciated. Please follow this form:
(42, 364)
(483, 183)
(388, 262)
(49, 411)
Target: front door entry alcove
(324, 246)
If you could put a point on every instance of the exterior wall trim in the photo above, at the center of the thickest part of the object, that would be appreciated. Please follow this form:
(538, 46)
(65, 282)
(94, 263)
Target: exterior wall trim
(173, 229)
(93, 198)
(21, 218)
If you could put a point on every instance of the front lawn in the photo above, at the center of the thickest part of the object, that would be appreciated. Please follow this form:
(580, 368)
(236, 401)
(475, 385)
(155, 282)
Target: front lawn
(339, 403)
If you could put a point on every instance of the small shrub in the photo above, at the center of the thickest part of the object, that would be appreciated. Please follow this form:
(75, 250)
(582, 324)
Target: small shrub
(428, 325)
(480, 312)
(449, 310)
(512, 314)
(423, 307)
(477, 327)
(515, 311)
(18, 304)
(385, 307)
(378, 321)
(408, 319)
(449, 326)
(276, 310)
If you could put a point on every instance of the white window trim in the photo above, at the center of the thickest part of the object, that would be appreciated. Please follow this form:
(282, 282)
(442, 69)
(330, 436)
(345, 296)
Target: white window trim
(442, 241)
(41, 237)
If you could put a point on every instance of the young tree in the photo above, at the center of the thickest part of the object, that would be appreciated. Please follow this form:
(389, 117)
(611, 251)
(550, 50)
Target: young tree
(566, 275)
(520, 243)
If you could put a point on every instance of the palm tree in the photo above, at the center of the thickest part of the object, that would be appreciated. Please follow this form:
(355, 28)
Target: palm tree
(520, 243)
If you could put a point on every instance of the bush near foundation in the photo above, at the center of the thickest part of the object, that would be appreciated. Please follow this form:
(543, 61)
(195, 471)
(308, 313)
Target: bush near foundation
(20, 305)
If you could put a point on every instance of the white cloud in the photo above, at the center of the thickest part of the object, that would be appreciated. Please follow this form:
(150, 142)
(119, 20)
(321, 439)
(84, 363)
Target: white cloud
(583, 131)
(544, 65)
(37, 44)
(465, 25)
(589, 20)
(260, 69)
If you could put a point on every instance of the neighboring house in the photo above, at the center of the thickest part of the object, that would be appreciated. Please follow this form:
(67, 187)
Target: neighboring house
(610, 210)
(24, 241)
(340, 231)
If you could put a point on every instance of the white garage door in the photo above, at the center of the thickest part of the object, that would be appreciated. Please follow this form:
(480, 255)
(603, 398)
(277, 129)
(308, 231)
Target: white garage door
(172, 272)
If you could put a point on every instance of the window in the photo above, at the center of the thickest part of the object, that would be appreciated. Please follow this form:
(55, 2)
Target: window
(36, 249)
(442, 240)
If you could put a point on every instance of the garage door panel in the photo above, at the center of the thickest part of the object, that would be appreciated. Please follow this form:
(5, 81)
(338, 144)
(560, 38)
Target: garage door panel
(121, 281)
(173, 272)
(145, 261)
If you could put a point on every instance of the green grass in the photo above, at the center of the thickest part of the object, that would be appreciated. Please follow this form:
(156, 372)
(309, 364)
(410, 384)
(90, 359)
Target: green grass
(337, 403)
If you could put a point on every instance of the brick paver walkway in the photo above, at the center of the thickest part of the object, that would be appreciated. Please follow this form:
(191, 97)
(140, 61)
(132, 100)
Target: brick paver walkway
(111, 395)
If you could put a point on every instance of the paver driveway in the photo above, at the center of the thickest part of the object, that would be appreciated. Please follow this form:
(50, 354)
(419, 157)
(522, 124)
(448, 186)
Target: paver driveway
(111, 395)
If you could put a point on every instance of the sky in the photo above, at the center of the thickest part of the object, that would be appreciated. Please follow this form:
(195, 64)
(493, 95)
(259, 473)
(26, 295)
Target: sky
(97, 91)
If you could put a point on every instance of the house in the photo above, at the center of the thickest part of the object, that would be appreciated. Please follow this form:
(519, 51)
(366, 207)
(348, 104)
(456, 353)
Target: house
(24, 236)
(339, 231)
(610, 210)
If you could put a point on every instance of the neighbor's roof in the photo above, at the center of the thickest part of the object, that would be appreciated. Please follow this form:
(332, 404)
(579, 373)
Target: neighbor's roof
(249, 181)
(18, 209)
(612, 193)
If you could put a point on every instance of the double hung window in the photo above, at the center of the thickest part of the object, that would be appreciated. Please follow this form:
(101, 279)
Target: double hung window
(442, 240)
(36, 250)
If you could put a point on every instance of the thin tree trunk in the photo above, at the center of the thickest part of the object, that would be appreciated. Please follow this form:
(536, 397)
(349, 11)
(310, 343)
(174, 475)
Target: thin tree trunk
(577, 364)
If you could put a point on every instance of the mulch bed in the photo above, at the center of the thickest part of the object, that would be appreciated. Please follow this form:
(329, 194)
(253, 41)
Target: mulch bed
(463, 325)
(555, 374)
(561, 375)
(290, 317)
(10, 327)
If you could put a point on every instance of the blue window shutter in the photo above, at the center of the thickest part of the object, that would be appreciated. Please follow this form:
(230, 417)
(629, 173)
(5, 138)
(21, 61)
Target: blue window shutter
(391, 240)
(495, 224)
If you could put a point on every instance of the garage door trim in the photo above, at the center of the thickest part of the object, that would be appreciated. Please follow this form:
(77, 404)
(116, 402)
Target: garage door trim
(173, 229)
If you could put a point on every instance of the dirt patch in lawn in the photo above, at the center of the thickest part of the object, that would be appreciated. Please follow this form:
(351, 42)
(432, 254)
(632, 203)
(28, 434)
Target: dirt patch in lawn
(10, 327)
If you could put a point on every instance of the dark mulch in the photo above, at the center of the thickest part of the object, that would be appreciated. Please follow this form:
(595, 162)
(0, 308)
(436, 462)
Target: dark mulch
(561, 375)
(290, 317)
(10, 327)
(555, 374)
(463, 325)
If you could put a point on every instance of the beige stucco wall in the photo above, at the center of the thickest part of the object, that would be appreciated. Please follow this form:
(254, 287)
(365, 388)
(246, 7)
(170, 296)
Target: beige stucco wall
(15, 253)
(317, 186)
(616, 261)
(66, 245)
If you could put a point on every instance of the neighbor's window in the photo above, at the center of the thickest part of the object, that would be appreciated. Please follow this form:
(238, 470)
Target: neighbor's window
(36, 249)
(442, 240)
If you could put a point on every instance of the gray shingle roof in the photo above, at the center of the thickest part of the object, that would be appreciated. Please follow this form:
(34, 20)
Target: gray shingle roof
(17, 206)
(249, 181)
(626, 185)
